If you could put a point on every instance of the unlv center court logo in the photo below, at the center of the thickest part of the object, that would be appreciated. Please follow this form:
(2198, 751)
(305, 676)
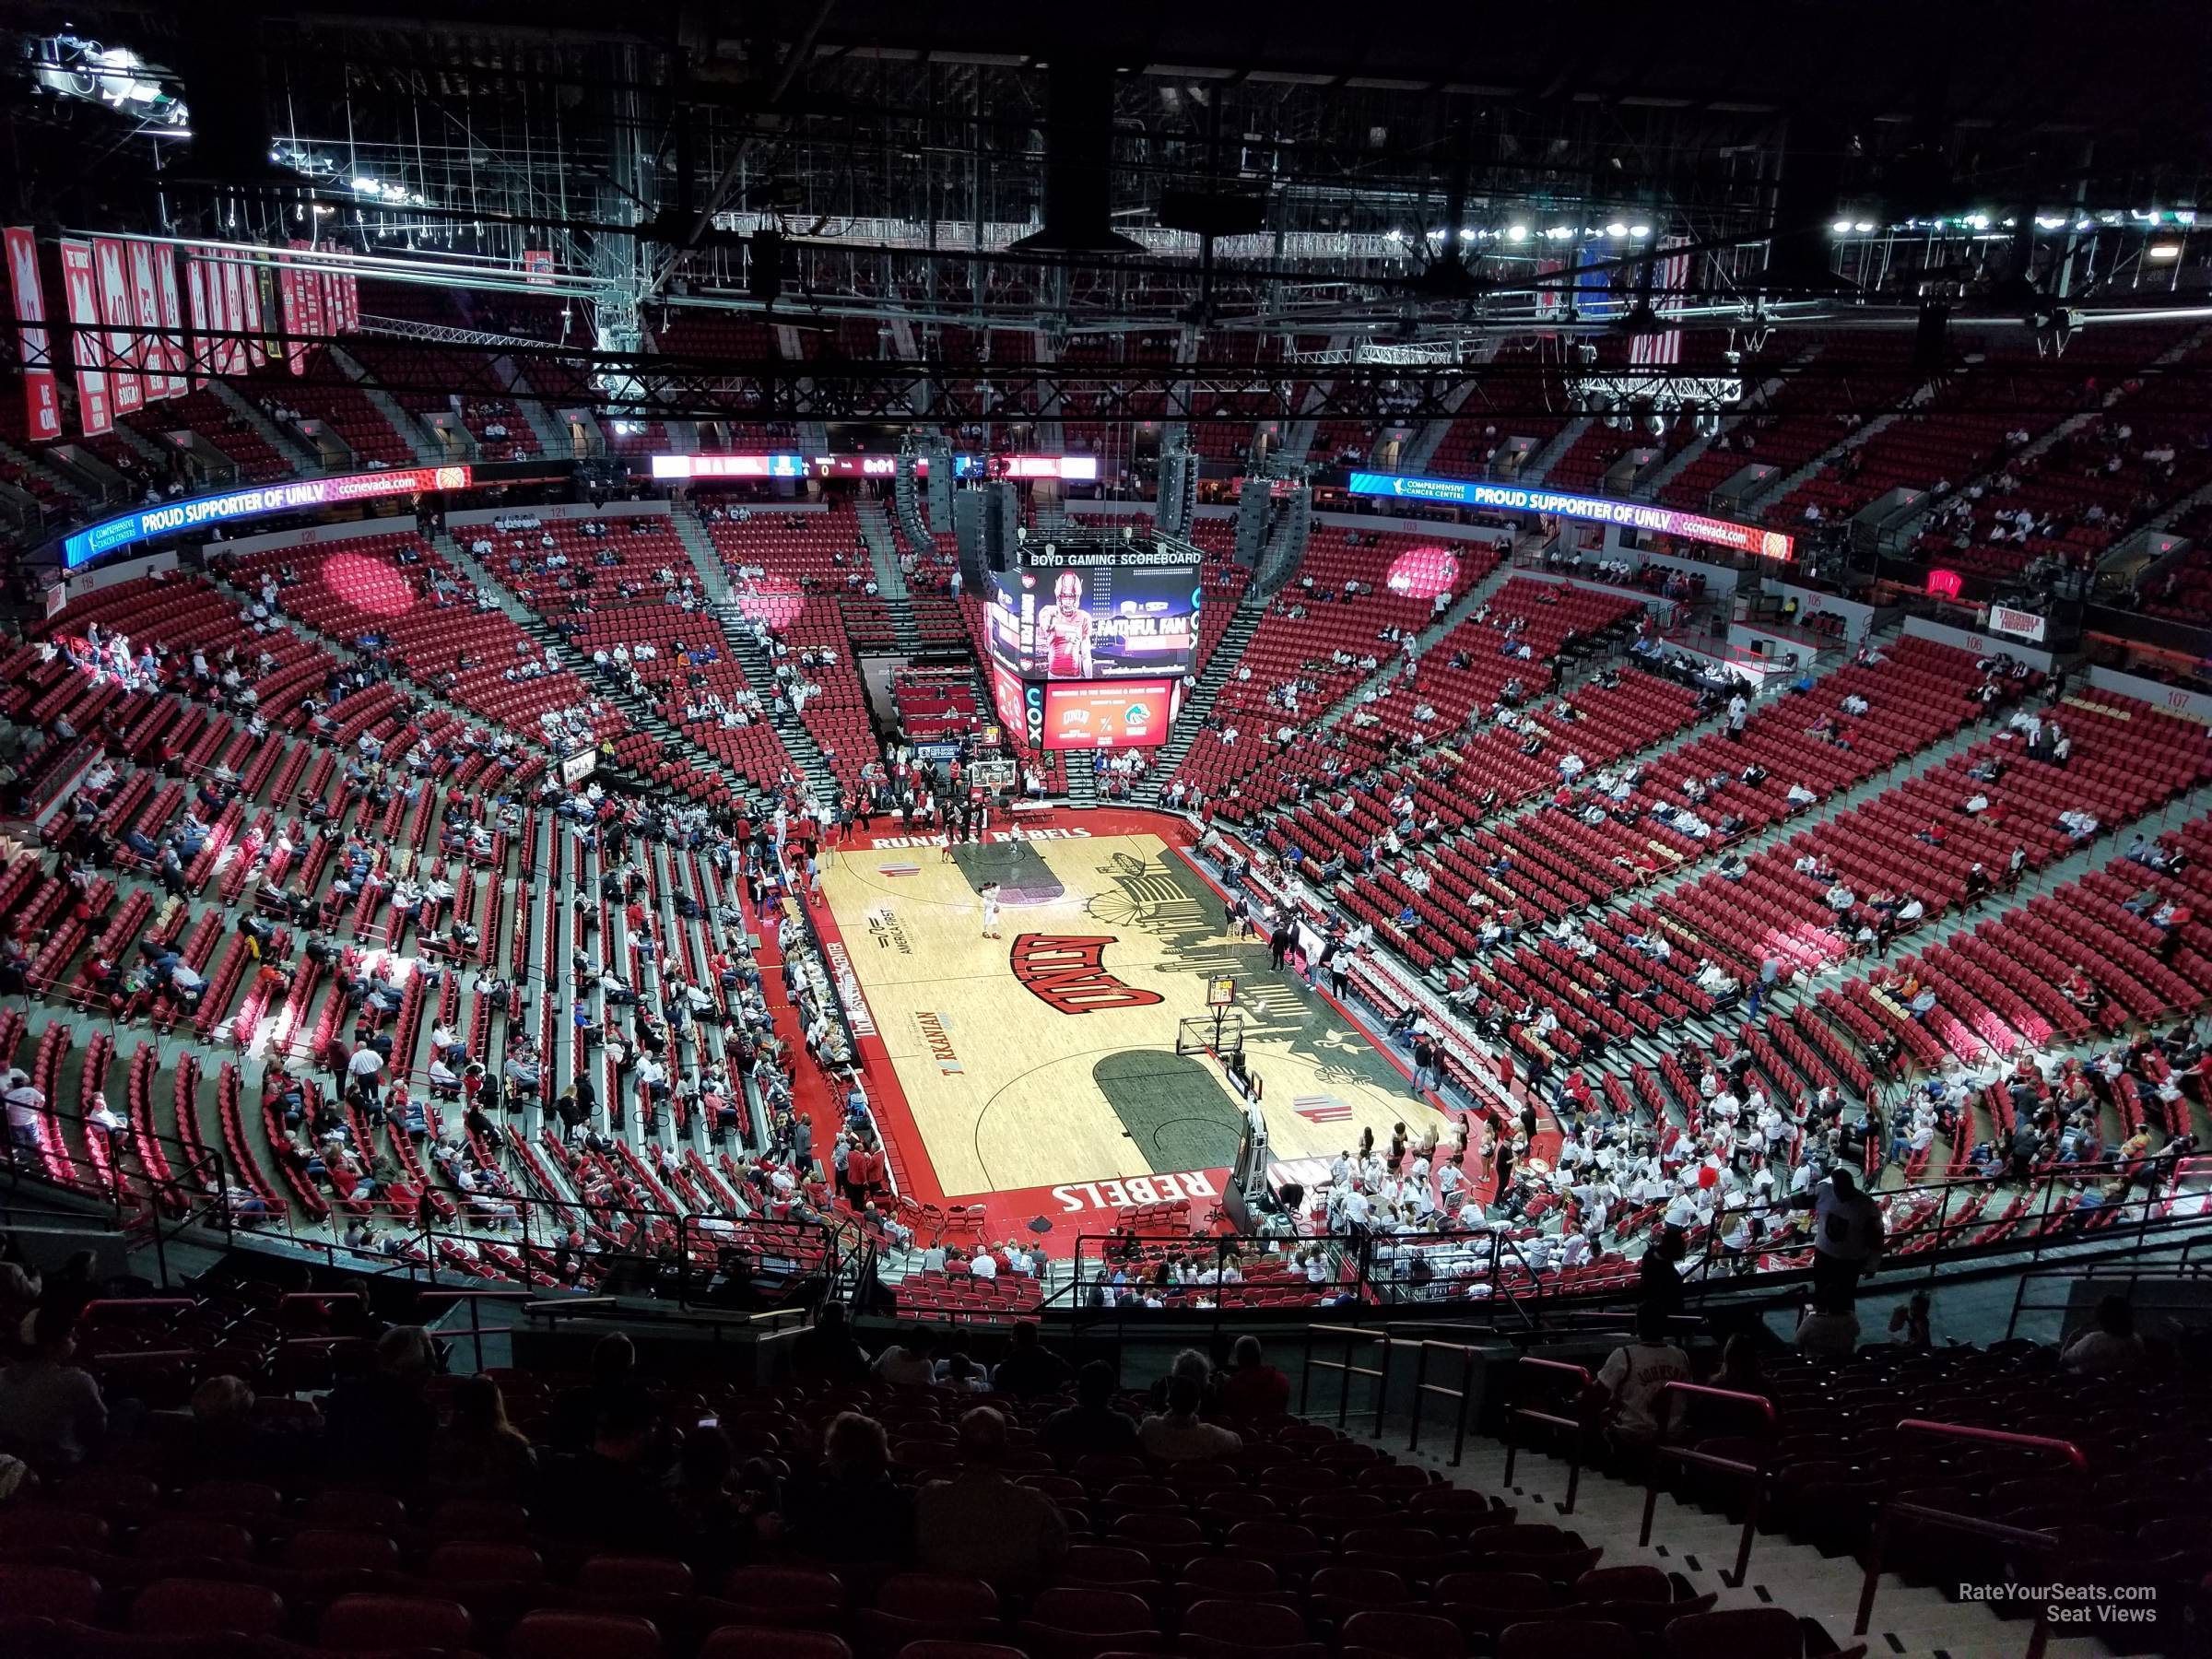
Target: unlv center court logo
(1068, 971)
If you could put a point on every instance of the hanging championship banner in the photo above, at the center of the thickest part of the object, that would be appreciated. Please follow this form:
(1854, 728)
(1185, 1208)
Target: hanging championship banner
(113, 265)
(95, 412)
(195, 292)
(172, 316)
(255, 312)
(294, 311)
(146, 310)
(42, 391)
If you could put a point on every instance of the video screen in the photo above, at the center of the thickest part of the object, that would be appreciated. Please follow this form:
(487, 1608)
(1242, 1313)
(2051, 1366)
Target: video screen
(1110, 714)
(1096, 622)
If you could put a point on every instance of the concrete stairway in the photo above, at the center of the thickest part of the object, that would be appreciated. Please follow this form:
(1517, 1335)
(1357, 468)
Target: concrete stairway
(29, 462)
(1473, 600)
(552, 434)
(424, 447)
(1298, 440)
(1547, 456)
(1781, 486)
(890, 582)
(146, 449)
(806, 754)
(1228, 651)
(275, 436)
(1082, 768)
(642, 715)
(713, 577)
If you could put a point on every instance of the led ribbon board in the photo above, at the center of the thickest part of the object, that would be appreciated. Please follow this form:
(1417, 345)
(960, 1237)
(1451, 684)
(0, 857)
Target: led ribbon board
(1638, 515)
(96, 541)
(1074, 469)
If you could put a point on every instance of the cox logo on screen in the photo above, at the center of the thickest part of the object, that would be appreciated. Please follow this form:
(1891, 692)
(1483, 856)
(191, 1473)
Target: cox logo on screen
(1032, 709)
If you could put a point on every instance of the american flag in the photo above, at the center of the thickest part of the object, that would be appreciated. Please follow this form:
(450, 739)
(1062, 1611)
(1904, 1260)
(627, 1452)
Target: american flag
(1669, 270)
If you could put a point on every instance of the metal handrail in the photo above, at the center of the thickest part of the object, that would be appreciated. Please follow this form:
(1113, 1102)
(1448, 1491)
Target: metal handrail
(1752, 1474)
(2002, 1437)
(1353, 1335)
(1422, 1388)
(1949, 1521)
(1973, 1525)
(1577, 1427)
(475, 1300)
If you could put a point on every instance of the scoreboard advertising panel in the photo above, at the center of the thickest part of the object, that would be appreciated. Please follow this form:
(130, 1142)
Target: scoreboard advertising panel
(1103, 714)
(1082, 615)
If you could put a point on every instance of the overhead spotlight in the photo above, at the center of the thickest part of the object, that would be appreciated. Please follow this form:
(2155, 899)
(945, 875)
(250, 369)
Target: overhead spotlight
(1841, 227)
(1616, 230)
(2164, 251)
(1640, 231)
(1559, 232)
(1516, 233)
(1862, 226)
(1468, 234)
(1656, 424)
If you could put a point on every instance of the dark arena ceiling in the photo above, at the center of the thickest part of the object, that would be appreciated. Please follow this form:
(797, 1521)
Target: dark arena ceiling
(1260, 181)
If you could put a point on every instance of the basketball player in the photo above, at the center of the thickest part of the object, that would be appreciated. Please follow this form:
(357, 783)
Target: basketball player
(988, 893)
(1064, 631)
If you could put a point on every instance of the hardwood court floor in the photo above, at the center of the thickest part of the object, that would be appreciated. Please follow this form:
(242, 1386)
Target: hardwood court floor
(1048, 1055)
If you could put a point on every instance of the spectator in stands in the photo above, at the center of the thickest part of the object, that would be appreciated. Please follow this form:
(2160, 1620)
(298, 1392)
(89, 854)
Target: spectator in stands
(1632, 1376)
(826, 1351)
(606, 1496)
(1829, 1327)
(2111, 1345)
(479, 1454)
(614, 1382)
(380, 1424)
(1030, 1367)
(1177, 1435)
(25, 1115)
(1847, 1235)
(51, 1414)
(1253, 1388)
(849, 1510)
(1091, 1424)
(980, 1524)
(906, 1361)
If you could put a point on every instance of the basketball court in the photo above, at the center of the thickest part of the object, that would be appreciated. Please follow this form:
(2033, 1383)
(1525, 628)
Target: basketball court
(1040, 1072)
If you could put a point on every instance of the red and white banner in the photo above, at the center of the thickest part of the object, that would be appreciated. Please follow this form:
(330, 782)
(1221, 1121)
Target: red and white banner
(80, 289)
(172, 316)
(113, 265)
(195, 293)
(254, 319)
(310, 306)
(146, 306)
(42, 392)
(294, 313)
(229, 356)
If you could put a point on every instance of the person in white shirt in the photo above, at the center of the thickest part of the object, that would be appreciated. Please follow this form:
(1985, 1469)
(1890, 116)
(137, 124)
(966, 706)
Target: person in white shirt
(1633, 1376)
(905, 1364)
(26, 1110)
(984, 1265)
(1177, 1435)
